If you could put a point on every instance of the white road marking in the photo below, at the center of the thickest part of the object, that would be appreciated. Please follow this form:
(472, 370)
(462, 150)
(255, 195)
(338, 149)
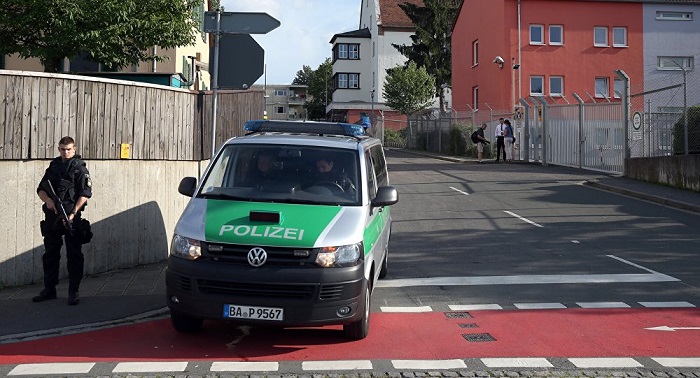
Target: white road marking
(522, 218)
(516, 362)
(606, 363)
(538, 306)
(633, 264)
(673, 329)
(666, 304)
(534, 279)
(407, 309)
(678, 362)
(461, 191)
(602, 305)
(474, 307)
(428, 364)
(149, 367)
(337, 365)
(52, 368)
(245, 366)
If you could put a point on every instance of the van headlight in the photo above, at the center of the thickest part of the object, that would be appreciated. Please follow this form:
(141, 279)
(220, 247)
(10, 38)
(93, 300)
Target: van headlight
(345, 255)
(185, 248)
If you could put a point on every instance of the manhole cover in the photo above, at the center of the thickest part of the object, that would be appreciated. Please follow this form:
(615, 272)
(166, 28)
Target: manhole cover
(478, 337)
(468, 325)
(458, 315)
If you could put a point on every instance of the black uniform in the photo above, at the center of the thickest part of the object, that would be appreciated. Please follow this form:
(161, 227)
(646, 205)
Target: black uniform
(70, 180)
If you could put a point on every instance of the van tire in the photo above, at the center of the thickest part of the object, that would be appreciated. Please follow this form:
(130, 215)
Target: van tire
(385, 265)
(185, 323)
(359, 329)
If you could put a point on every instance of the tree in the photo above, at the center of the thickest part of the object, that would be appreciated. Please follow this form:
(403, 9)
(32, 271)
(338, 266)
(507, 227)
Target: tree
(431, 46)
(319, 82)
(409, 89)
(693, 132)
(115, 33)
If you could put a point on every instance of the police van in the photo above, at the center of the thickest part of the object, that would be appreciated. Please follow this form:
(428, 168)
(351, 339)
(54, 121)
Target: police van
(289, 226)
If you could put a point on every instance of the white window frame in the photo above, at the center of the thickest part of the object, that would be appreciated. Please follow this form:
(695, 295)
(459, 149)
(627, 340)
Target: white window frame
(618, 86)
(541, 29)
(602, 83)
(534, 78)
(280, 93)
(475, 53)
(552, 85)
(342, 80)
(674, 16)
(596, 42)
(561, 35)
(475, 97)
(353, 51)
(342, 51)
(616, 35)
(353, 80)
(665, 63)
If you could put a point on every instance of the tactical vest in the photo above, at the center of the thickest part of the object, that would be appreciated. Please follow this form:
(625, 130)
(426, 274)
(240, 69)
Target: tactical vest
(62, 175)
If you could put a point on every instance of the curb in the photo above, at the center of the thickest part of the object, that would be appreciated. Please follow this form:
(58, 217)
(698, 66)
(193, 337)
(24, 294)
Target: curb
(651, 198)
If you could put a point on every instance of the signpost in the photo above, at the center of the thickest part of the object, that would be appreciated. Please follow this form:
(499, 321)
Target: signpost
(219, 22)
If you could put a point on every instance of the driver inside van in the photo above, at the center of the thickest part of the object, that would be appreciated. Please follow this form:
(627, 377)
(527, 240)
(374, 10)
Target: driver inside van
(263, 169)
(325, 172)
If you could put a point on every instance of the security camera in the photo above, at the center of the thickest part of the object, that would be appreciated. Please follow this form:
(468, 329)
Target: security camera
(498, 60)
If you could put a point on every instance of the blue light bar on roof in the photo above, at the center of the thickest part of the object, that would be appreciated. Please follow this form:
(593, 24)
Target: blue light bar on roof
(322, 128)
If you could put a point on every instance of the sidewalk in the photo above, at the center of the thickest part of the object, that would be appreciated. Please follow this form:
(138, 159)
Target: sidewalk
(132, 295)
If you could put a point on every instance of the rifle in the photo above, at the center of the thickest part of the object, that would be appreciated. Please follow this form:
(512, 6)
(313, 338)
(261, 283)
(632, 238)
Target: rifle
(48, 188)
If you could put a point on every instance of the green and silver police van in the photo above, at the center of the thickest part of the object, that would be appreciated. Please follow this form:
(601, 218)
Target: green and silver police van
(289, 226)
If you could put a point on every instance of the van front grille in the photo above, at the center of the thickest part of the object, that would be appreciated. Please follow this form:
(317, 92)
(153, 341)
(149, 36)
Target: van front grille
(278, 256)
(240, 289)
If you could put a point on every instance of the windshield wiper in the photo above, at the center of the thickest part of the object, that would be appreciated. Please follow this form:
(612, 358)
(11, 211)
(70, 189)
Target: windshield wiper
(221, 196)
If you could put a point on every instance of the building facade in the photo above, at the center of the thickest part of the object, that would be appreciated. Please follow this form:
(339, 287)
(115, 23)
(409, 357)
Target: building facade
(284, 101)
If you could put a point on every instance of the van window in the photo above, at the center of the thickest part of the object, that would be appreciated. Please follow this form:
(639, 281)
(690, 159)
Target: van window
(284, 173)
(371, 183)
(379, 165)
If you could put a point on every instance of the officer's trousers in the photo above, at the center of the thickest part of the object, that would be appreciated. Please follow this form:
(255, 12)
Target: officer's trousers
(52, 258)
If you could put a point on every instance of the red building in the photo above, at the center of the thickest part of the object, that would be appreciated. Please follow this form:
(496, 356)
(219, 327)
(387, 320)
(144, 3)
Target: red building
(503, 50)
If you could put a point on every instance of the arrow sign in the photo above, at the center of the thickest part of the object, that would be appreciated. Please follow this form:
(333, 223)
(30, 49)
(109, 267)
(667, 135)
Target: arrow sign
(240, 23)
(672, 329)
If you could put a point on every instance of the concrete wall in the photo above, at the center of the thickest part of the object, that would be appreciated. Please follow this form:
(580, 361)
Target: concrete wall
(681, 172)
(133, 212)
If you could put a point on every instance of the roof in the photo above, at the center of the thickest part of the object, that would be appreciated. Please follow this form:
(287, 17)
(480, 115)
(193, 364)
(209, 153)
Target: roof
(391, 16)
(361, 33)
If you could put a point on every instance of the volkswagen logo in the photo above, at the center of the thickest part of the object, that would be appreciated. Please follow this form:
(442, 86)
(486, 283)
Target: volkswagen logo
(257, 257)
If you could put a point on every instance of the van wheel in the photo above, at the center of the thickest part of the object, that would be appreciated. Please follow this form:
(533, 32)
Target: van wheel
(385, 265)
(185, 323)
(359, 329)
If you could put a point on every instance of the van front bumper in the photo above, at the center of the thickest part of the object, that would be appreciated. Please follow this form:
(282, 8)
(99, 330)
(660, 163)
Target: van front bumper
(308, 295)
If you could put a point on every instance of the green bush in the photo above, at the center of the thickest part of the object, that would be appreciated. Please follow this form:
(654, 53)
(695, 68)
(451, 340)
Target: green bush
(458, 140)
(693, 133)
(395, 138)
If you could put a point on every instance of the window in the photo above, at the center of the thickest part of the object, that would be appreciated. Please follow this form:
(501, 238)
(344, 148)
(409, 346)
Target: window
(353, 80)
(600, 36)
(618, 87)
(536, 85)
(536, 34)
(619, 37)
(347, 51)
(672, 63)
(674, 16)
(475, 53)
(281, 92)
(602, 87)
(342, 51)
(556, 86)
(556, 35)
(280, 109)
(353, 51)
(342, 80)
(475, 94)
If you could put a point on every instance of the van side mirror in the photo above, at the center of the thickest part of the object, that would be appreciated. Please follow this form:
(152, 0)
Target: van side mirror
(386, 196)
(187, 186)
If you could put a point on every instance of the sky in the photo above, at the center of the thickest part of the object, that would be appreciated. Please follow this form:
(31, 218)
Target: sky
(303, 38)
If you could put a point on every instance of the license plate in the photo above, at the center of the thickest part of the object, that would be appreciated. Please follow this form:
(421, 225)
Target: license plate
(253, 312)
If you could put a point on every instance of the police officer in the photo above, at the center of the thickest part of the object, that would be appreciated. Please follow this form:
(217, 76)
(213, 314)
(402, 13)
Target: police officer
(70, 179)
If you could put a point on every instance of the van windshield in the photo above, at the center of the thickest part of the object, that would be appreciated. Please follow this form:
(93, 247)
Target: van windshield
(284, 173)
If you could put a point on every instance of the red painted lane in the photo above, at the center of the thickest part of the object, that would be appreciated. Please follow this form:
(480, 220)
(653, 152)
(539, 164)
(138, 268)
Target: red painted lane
(520, 333)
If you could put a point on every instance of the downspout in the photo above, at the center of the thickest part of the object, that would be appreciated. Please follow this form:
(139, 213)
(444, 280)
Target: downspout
(153, 65)
(520, 75)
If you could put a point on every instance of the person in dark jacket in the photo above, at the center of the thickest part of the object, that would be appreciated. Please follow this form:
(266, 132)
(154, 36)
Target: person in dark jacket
(70, 180)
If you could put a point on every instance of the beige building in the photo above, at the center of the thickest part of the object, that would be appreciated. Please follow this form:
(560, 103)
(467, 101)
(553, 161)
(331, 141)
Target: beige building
(284, 101)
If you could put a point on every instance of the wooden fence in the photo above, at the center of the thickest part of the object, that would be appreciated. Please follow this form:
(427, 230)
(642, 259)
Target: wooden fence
(158, 122)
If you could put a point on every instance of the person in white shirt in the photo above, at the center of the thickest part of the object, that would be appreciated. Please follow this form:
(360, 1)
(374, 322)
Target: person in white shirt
(500, 143)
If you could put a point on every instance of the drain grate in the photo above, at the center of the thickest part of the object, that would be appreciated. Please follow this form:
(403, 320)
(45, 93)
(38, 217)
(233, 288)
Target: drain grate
(478, 337)
(468, 325)
(458, 315)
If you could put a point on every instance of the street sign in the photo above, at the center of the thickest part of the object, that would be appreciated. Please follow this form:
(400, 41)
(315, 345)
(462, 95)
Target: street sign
(241, 59)
(240, 23)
